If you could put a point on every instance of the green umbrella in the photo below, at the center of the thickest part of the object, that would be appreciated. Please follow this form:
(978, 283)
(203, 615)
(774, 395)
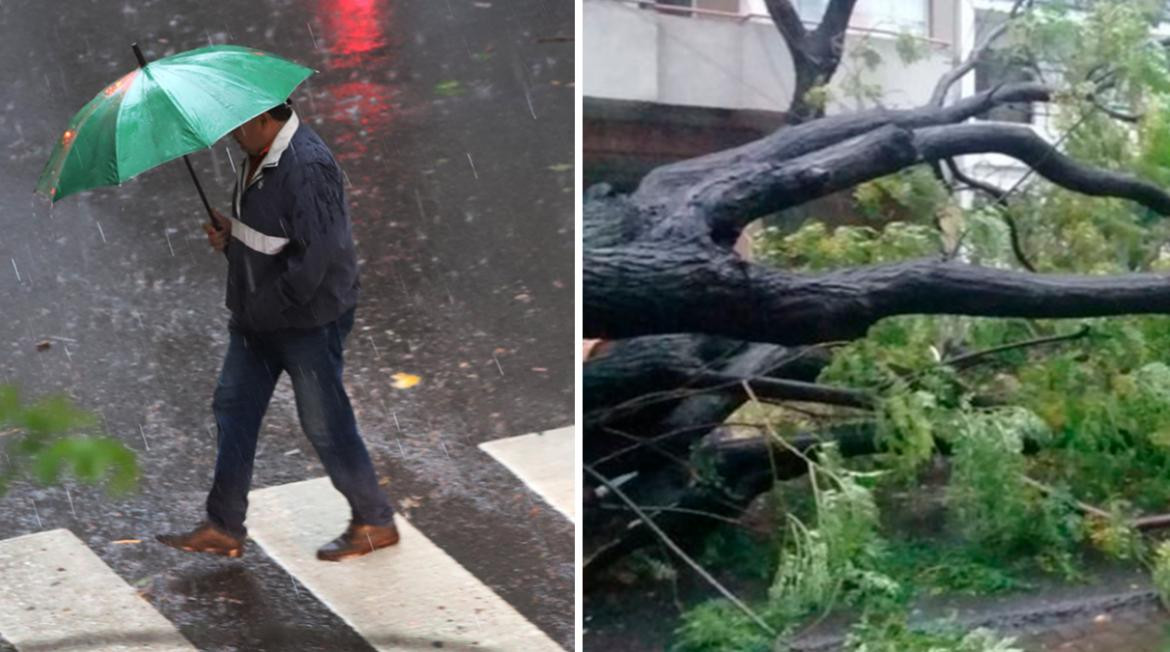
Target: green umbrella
(163, 110)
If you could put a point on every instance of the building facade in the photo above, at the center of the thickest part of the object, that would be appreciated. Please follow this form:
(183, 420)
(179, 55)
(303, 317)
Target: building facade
(673, 79)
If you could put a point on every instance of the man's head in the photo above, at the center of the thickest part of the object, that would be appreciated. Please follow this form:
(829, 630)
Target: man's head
(256, 134)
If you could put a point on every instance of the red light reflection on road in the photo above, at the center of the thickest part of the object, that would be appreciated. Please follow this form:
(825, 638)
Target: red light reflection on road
(354, 29)
(365, 112)
(362, 108)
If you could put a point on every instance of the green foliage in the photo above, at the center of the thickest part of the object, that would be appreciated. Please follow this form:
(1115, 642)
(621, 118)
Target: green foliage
(839, 558)
(905, 429)
(818, 97)
(814, 247)
(1093, 414)
(35, 440)
(911, 48)
(888, 634)
(989, 501)
(1161, 572)
(935, 568)
(736, 551)
(911, 193)
(718, 626)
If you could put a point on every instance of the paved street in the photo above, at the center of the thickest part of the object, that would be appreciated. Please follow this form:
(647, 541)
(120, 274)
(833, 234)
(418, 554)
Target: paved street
(453, 122)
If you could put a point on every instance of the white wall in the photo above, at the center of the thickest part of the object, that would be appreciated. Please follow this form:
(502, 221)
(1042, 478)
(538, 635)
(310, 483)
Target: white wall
(637, 54)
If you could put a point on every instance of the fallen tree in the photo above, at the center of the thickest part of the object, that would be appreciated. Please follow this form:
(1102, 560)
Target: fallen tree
(688, 323)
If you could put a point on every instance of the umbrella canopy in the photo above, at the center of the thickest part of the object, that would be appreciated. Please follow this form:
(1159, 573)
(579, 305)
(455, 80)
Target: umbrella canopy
(163, 110)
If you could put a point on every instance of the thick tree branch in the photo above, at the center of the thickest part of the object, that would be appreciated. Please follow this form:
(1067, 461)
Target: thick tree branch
(787, 21)
(670, 287)
(666, 182)
(834, 22)
(1024, 144)
(816, 54)
(747, 192)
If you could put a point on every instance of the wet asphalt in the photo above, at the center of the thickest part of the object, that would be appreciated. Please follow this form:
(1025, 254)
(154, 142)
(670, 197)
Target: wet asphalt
(453, 121)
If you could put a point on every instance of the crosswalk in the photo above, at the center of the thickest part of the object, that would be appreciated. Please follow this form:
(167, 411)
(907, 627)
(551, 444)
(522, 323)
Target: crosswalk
(409, 597)
(59, 595)
(545, 462)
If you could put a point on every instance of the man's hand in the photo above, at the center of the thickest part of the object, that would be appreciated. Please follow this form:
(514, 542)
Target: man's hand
(218, 231)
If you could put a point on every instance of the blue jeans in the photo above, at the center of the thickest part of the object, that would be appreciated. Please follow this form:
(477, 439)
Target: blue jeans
(313, 359)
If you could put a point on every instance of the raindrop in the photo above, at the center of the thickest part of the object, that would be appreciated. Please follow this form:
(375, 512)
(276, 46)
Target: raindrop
(70, 498)
(36, 513)
(16, 270)
(418, 198)
(143, 433)
(313, 36)
(469, 160)
(102, 232)
(497, 361)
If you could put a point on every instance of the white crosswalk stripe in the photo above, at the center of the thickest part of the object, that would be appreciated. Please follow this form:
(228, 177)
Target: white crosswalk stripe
(57, 594)
(545, 461)
(408, 597)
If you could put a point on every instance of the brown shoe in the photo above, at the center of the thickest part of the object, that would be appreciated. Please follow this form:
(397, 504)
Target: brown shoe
(358, 540)
(205, 538)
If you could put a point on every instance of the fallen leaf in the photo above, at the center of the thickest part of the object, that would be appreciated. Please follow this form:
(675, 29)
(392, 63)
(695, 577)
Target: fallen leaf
(410, 502)
(449, 88)
(405, 381)
(44, 345)
(561, 167)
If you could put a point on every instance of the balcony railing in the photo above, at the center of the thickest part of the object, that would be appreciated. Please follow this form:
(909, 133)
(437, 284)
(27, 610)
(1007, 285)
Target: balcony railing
(743, 16)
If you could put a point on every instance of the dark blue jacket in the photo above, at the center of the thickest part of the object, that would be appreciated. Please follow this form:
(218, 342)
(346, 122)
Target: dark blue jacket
(312, 279)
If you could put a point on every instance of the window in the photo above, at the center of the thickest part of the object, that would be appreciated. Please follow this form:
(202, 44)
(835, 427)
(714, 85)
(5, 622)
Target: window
(891, 15)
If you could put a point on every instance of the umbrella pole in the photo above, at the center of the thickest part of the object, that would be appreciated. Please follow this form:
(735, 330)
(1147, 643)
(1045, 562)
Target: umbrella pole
(186, 159)
(206, 205)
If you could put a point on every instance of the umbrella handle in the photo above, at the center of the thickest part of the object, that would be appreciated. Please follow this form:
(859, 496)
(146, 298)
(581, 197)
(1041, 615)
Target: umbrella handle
(206, 205)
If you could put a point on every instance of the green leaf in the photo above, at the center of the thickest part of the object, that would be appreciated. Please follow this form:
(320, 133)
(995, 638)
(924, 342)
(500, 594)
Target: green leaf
(449, 88)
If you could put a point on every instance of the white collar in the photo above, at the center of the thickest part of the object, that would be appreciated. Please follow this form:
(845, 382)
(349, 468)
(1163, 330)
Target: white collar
(272, 158)
(280, 142)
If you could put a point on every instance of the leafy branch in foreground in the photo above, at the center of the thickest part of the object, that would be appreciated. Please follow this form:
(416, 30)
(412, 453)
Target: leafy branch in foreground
(36, 443)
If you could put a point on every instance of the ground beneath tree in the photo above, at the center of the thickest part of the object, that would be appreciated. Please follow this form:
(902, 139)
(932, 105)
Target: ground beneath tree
(1114, 610)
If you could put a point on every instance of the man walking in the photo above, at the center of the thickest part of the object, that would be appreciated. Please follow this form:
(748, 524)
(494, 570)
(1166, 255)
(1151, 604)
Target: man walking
(292, 289)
